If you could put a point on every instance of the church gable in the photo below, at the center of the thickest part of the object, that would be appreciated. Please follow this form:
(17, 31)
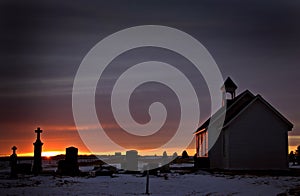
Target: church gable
(264, 109)
(259, 133)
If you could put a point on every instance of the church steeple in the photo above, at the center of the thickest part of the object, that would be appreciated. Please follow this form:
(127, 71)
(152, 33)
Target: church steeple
(228, 87)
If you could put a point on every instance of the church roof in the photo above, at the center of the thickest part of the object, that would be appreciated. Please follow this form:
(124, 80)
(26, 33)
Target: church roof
(229, 84)
(236, 106)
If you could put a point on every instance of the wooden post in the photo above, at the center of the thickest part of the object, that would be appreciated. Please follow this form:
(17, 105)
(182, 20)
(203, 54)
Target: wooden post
(147, 182)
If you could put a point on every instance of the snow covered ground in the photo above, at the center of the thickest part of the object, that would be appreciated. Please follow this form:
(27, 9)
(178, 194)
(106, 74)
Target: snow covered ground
(188, 184)
(202, 183)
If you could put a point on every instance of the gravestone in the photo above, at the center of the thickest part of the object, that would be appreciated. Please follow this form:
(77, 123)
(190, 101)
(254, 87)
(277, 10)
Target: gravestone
(13, 163)
(165, 158)
(165, 166)
(37, 159)
(72, 160)
(69, 166)
(132, 160)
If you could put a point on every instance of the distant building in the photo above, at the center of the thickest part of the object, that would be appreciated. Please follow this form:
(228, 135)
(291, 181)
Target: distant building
(254, 135)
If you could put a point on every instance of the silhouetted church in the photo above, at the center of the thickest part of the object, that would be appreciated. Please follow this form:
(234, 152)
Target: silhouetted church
(254, 135)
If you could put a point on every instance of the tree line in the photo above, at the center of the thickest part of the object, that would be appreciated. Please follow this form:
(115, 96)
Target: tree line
(294, 157)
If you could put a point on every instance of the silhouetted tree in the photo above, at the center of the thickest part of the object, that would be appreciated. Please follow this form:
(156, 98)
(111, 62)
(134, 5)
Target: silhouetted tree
(184, 154)
(292, 157)
(298, 155)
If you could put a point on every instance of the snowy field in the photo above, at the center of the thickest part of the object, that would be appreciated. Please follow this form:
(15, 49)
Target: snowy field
(201, 183)
(175, 184)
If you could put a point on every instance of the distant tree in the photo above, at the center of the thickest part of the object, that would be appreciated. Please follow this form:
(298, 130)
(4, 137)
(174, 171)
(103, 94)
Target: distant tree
(292, 157)
(298, 155)
(195, 156)
(184, 154)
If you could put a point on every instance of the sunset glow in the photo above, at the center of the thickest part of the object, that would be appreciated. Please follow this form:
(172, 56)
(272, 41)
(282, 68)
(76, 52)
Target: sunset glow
(52, 153)
(57, 138)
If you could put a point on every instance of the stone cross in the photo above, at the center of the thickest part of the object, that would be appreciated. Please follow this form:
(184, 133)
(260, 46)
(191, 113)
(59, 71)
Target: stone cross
(14, 148)
(13, 163)
(37, 158)
(38, 131)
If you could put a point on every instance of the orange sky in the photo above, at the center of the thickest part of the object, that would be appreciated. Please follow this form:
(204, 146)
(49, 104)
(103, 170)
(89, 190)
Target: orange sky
(57, 138)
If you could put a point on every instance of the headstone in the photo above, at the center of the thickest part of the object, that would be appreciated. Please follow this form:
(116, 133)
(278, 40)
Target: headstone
(72, 155)
(13, 163)
(132, 160)
(165, 166)
(37, 160)
(165, 158)
(69, 166)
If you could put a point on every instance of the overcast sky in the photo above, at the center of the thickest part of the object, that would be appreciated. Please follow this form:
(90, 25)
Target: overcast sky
(256, 43)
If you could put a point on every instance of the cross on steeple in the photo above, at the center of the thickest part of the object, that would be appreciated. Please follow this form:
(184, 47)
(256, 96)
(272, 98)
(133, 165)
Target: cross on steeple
(38, 131)
(14, 148)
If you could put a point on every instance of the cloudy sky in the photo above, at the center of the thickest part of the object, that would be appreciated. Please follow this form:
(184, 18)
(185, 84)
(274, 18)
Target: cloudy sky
(256, 43)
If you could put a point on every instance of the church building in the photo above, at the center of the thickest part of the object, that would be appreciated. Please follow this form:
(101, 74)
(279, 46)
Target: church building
(252, 134)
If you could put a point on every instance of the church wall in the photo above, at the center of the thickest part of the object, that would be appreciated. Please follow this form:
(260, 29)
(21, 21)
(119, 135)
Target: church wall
(258, 140)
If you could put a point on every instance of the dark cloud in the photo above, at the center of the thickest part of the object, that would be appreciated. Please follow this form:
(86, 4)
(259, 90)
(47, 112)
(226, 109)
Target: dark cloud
(43, 42)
